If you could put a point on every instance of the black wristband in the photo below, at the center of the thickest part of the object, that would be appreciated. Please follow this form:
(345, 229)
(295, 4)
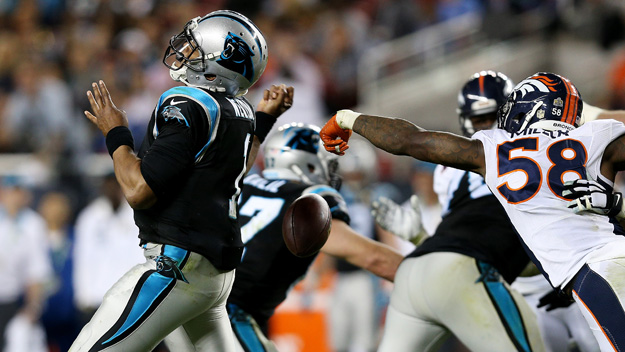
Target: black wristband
(117, 137)
(264, 123)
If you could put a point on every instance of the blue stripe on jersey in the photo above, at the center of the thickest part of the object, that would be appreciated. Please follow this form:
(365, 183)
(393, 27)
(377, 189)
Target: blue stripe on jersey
(506, 307)
(200, 96)
(602, 302)
(150, 291)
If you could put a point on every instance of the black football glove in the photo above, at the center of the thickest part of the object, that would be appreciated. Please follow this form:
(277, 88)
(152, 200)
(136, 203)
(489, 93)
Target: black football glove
(555, 299)
(593, 197)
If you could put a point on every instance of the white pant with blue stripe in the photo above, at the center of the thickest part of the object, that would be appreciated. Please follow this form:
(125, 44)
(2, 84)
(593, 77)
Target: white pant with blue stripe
(173, 288)
(444, 293)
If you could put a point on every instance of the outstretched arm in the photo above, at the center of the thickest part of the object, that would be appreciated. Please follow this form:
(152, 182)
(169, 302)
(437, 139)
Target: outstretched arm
(591, 113)
(376, 257)
(401, 137)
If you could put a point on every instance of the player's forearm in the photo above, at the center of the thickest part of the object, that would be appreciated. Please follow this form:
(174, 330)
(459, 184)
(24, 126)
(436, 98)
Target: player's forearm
(391, 134)
(383, 261)
(401, 137)
(128, 173)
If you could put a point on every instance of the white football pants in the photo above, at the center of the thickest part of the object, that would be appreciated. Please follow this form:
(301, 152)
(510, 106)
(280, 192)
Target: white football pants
(445, 293)
(173, 288)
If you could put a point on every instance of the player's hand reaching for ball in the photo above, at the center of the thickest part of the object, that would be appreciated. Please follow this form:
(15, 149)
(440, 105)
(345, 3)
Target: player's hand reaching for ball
(105, 114)
(276, 100)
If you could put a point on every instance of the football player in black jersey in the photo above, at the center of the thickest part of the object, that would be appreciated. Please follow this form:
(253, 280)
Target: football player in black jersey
(295, 164)
(183, 185)
(474, 254)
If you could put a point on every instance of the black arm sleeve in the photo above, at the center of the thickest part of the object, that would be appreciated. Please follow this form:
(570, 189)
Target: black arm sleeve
(171, 156)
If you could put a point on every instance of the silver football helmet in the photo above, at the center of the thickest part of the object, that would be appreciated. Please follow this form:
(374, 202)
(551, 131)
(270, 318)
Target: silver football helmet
(222, 51)
(295, 152)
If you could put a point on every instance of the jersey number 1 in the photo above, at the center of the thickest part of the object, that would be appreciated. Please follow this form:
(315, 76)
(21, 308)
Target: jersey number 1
(567, 155)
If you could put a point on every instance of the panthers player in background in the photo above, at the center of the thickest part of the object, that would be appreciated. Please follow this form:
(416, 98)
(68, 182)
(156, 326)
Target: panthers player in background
(183, 185)
(474, 254)
(539, 146)
(295, 164)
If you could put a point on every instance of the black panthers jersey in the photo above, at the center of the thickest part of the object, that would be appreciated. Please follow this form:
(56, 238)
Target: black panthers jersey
(474, 224)
(268, 269)
(194, 158)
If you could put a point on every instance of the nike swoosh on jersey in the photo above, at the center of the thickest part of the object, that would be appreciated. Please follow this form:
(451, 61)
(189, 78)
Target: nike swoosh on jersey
(173, 102)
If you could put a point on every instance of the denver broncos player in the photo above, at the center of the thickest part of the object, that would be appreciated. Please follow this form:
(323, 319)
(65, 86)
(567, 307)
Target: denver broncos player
(295, 164)
(474, 249)
(184, 185)
(538, 146)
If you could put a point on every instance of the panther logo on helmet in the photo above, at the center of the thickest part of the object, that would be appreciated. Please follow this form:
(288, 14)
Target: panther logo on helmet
(237, 56)
(304, 139)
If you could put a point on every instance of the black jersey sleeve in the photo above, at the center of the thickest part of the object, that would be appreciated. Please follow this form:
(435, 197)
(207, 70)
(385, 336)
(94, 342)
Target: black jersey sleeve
(337, 204)
(180, 131)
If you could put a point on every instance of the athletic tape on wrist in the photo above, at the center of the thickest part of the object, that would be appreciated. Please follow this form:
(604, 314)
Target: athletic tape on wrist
(117, 137)
(264, 123)
(346, 118)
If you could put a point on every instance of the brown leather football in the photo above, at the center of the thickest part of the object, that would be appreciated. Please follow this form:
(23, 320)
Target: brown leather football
(306, 225)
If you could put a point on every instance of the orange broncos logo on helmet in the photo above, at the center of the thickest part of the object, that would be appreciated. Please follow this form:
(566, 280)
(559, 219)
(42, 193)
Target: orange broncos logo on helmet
(569, 113)
(546, 81)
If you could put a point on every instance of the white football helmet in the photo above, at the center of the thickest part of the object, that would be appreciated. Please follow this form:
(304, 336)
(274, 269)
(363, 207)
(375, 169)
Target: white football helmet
(222, 51)
(295, 152)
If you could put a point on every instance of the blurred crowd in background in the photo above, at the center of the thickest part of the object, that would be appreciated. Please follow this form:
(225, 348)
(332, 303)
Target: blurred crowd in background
(51, 51)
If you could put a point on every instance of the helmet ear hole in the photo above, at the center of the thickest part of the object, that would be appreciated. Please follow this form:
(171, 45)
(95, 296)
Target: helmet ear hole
(311, 168)
(518, 117)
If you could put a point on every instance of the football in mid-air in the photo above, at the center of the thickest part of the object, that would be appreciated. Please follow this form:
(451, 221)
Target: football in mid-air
(306, 225)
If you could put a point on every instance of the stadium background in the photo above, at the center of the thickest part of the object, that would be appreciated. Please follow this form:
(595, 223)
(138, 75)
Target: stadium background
(404, 58)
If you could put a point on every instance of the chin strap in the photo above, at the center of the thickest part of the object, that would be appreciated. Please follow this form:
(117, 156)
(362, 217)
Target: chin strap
(179, 75)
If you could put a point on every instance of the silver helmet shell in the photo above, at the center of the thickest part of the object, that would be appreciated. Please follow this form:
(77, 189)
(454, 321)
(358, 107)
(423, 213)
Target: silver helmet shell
(295, 152)
(222, 51)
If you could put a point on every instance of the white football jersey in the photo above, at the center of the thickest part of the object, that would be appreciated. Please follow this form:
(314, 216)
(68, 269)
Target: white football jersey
(449, 181)
(526, 171)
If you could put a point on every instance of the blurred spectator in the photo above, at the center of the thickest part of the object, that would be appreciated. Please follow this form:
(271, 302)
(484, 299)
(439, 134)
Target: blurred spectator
(340, 38)
(289, 64)
(449, 9)
(24, 262)
(39, 112)
(106, 246)
(60, 317)
(396, 18)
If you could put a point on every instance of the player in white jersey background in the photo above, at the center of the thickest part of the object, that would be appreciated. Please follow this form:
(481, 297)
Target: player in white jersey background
(458, 281)
(538, 146)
